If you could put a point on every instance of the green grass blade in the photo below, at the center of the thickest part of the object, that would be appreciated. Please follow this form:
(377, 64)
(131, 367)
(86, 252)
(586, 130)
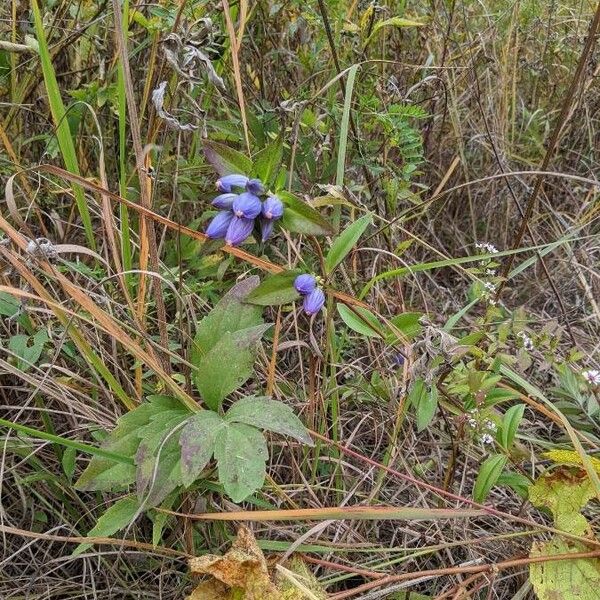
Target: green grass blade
(57, 439)
(63, 132)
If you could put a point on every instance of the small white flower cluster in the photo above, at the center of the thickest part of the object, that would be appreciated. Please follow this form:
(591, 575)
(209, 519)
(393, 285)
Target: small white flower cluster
(527, 341)
(485, 428)
(489, 292)
(487, 247)
(592, 376)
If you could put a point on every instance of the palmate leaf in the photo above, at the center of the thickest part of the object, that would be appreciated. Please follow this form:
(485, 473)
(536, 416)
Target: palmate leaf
(158, 457)
(264, 413)
(197, 441)
(228, 365)
(104, 474)
(241, 453)
(115, 518)
(230, 314)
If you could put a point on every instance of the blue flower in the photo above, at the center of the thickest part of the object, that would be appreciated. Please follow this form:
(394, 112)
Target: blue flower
(224, 201)
(272, 208)
(266, 228)
(255, 186)
(225, 183)
(217, 228)
(314, 301)
(305, 284)
(246, 205)
(239, 229)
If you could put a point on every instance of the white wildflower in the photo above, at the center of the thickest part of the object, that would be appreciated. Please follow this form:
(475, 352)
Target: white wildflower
(487, 247)
(490, 425)
(473, 423)
(490, 272)
(486, 438)
(592, 376)
(527, 341)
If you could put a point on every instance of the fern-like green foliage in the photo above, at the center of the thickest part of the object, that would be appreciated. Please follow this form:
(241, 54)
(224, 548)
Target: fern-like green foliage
(400, 126)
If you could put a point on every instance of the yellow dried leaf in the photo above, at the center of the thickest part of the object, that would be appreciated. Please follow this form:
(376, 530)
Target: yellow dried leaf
(570, 457)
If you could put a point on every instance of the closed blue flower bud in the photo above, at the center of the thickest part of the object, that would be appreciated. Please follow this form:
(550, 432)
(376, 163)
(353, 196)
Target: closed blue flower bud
(246, 205)
(225, 183)
(224, 201)
(305, 283)
(272, 208)
(314, 301)
(255, 186)
(217, 228)
(239, 229)
(266, 228)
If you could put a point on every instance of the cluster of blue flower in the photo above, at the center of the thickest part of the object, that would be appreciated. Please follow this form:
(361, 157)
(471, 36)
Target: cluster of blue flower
(314, 298)
(238, 211)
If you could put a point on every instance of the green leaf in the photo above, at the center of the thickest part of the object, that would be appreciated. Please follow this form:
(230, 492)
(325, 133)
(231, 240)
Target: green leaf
(28, 349)
(510, 424)
(408, 324)
(299, 217)
(158, 457)
(267, 161)
(230, 314)
(241, 453)
(197, 441)
(226, 160)
(358, 324)
(275, 290)
(392, 22)
(426, 408)
(9, 305)
(68, 462)
(104, 474)
(417, 390)
(59, 116)
(519, 483)
(117, 517)
(488, 476)
(228, 365)
(576, 579)
(345, 242)
(264, 413)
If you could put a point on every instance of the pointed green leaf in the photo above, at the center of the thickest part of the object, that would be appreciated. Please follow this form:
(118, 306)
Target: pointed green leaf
(510, 424)
(241, 453)
(117, 517)
(299, 217)
(392, 22)
(358, 324)
(275, 290)
(158, 457)
(197, 441)
(267, 161)
(104, 474)
(488, 476)
(407, 323)
(426, 408)
(226, 160)
(228, 365)
(230, 314)
(264, 413)
(345, 242)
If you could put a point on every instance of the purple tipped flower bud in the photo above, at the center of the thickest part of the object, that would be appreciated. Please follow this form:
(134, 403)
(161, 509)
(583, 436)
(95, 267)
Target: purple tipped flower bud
(246, 205)
(314, 301)
(255, 186)
(239, 229)
(225, 183)
(224, 201)
(217, 228)
(305, 284)
(266, 228)
(272, 208)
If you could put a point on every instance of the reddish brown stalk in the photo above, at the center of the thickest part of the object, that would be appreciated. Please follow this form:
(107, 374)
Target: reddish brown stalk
(490, 567)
